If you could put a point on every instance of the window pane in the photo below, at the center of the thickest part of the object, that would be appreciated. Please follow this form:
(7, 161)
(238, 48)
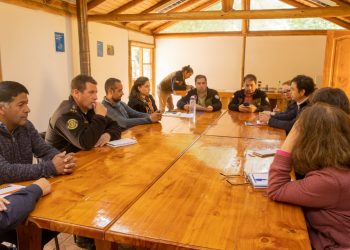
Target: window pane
(135, 62)
(268, 4)
(147, 70)
(146, 55)
(292, 24)
(208, 25)
(205, 26)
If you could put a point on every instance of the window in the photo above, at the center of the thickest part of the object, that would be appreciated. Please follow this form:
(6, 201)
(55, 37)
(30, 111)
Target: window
(208, 25)
(141, 62)
(255, 25)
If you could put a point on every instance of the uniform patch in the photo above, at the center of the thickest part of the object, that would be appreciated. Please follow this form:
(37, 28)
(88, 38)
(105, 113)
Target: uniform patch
(72, 124)
(217, 97)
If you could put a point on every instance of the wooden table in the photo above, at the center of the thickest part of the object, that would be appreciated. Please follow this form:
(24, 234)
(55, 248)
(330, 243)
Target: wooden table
(170, 178)
(231, 124)
(192, 206)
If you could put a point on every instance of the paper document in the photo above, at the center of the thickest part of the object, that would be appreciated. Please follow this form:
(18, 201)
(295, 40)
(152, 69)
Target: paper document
(121, 142)
(9, 189)
(258, 180)
(177, 114)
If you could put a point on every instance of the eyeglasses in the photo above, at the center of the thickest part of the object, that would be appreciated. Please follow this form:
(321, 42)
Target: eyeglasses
(286, 91)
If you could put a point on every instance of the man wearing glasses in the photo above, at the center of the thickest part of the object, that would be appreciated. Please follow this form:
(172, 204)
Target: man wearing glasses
(297, 92)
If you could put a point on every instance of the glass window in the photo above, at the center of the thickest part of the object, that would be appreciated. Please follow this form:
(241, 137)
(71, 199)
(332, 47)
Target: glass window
(292, 24)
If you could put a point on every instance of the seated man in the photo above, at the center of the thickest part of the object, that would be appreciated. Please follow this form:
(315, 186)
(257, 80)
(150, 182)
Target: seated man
(15, 208)
(250, 99)
(20, 140)
(207, 99)
(301, 88)
(120, 112)
(80, 123)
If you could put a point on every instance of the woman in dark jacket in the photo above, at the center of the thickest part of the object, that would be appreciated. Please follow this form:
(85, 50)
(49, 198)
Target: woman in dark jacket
(140, 98)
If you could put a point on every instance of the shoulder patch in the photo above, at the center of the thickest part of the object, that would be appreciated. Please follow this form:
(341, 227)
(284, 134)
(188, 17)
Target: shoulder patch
(217, 97)
(72, 124)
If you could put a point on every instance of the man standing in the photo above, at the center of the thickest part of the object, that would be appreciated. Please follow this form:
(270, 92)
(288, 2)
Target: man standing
(207, 99)
(250, 99)
(120, 112)
(20, 141)
(80, 123)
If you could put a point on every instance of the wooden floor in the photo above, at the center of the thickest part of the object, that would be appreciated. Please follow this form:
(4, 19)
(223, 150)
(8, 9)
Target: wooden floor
(66, 242)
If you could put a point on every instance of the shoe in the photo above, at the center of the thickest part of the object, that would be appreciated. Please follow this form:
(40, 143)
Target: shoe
(84, 242)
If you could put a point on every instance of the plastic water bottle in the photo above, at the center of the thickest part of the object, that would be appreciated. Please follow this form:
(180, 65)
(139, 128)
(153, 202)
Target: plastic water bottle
(193, 107)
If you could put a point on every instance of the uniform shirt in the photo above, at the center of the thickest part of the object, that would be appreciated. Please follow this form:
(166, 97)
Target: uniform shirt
(173, 81)
(325, 196)
(124, 115)
(142, 105)
(16, 154)
(22, 203)
(212, 99)
(71, 130)
(260, 100)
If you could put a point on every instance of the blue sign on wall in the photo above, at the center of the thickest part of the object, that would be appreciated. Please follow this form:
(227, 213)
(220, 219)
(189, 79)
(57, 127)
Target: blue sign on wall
(59, 41)
(99, 49)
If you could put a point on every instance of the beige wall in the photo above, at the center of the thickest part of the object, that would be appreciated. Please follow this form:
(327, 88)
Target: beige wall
(28, 56)
(219, 58)
(280, 58)
(272, 59)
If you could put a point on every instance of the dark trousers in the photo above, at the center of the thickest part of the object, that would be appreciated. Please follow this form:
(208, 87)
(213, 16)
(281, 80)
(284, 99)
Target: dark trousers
(11, 237)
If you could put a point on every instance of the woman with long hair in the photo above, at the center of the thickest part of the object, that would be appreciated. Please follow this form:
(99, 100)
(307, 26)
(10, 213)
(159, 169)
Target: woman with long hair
(140, 98)
(317, 146)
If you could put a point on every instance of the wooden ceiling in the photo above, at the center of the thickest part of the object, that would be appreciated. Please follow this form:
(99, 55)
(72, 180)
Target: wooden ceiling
(153, 16)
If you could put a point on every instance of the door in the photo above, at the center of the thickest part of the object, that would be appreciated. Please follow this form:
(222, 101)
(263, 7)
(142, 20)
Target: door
(337, 60)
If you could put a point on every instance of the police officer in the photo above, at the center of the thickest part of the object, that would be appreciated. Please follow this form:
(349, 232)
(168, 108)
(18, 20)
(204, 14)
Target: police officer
(250, 99)
(207, 99)
(80, 123)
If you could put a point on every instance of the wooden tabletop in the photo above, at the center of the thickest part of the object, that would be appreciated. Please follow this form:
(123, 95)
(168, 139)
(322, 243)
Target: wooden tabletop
(232, 124)
(193, 206)
(167, 191)
(87, 201)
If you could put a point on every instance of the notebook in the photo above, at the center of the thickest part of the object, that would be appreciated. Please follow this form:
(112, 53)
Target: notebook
(258, 180)
(121, 142)
(264, 152)
(9, 189)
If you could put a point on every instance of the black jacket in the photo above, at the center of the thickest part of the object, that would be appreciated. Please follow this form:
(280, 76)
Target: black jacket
(281, 121)
(71, 130)
(212, 99)
(142, 106)
(260, 100)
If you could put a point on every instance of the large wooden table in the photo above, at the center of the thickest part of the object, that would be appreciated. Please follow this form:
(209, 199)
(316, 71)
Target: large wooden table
(167, 191)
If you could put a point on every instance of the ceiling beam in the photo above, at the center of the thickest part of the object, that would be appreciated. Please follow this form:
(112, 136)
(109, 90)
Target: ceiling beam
(125, 7)
(335, 20)
(237, 14)
(174, 10)
(226, 5)
(152, 8)
(94, 3)
(199, 8)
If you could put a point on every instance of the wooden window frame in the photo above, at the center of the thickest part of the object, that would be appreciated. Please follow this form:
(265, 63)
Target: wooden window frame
(142, 46)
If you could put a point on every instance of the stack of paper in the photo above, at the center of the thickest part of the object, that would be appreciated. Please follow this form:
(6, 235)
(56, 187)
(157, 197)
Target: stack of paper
(121, 142)
(10, 189)
(177, 114)
(258, 180)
